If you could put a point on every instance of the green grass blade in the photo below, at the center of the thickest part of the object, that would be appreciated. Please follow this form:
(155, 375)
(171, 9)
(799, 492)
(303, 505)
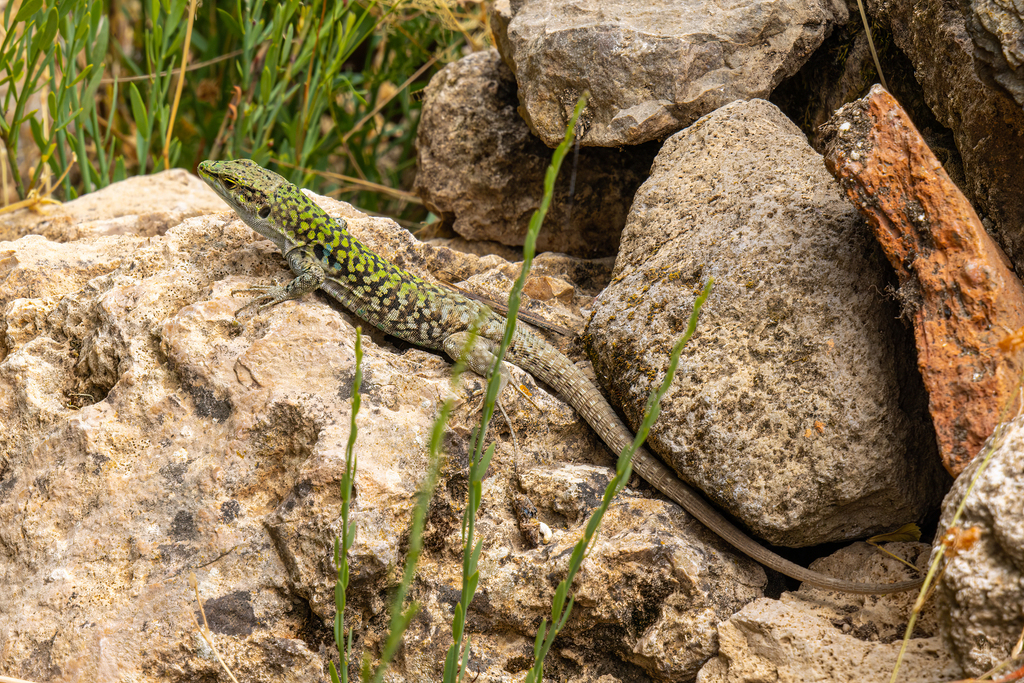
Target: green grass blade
(561, 607)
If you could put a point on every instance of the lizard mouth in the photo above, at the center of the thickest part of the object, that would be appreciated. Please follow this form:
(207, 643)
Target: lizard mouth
(214, 182)
(203, 171)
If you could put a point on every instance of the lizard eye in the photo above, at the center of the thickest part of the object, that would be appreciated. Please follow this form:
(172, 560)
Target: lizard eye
(264, 212)
(228, 183)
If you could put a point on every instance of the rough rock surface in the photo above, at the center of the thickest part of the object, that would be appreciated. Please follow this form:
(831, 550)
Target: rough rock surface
(651, 68)
(955, 282)
(650, 593)
(123, 208)
(873, 618)
(796, 406)
(982, 590)
(997, 29)
(987, 125)
(145, 433)
(482, 171)
(814, 636)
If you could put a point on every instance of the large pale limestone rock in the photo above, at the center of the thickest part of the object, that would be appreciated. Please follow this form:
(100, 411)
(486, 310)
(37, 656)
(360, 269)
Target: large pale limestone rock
(146, 434)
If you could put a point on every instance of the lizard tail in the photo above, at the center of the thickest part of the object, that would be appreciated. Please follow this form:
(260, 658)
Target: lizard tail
(549, 365)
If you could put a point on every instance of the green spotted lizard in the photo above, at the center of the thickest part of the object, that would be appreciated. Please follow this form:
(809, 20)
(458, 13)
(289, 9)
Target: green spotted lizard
(323, 254)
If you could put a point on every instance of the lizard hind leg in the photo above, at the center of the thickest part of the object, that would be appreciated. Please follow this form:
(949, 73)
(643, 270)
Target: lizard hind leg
(479, 358)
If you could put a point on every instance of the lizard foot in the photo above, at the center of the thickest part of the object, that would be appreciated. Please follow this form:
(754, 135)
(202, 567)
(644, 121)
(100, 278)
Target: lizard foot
(269, 295)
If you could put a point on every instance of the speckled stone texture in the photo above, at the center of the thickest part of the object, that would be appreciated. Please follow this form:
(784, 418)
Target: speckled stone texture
(982, 590)
(796, 406)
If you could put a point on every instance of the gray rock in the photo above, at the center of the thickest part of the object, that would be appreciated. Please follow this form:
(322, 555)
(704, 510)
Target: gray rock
(653, 589)
(814, 636)
(997, 29)
(482, 171)
(988, 126)
(796, 406)
(982, 590)
(651, 68)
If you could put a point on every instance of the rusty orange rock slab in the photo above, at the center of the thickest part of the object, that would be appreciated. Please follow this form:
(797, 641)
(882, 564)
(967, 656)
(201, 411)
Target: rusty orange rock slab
(955, 282)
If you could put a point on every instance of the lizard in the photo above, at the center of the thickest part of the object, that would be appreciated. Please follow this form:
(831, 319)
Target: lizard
(323, 254)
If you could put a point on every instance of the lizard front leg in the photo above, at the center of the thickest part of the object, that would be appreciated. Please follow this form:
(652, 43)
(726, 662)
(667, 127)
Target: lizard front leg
(310, 275)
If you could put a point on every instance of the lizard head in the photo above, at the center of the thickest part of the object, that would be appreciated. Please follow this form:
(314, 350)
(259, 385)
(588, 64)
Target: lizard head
(247, 187)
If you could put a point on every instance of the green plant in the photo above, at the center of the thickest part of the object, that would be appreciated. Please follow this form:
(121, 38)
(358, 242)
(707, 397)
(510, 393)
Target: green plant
(299, 56)
(163, 40)
(455, 665)
(39, 55)
(400, 614)
(344, 543)
(457, 657)
(560, 609)
(322, 90)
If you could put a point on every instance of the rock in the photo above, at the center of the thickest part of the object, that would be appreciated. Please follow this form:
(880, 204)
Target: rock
(651, 68)
(35, 275)
(872, 618)
(814, 636)
(146, 434)
(144, 206)
(476, 247)
(987, 125)
(955, 283)
(481, 170)
(796, 406)
(647, 598)
(980, 593)
(997, 29)
(651, 591)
